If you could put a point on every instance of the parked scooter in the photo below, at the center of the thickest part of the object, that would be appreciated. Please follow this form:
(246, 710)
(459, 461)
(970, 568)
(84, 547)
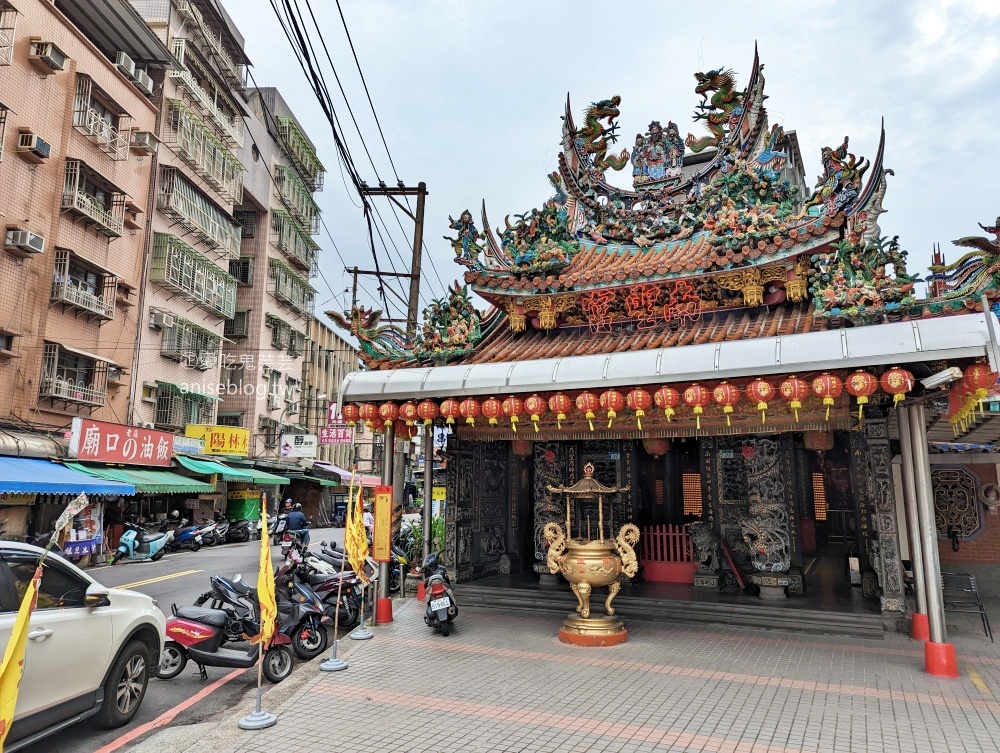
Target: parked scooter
(277, 528)
(441, 605)
(198, 634)
(239, 530)
(135, 544)
(185, 537)
(218, 534)
(325, 580)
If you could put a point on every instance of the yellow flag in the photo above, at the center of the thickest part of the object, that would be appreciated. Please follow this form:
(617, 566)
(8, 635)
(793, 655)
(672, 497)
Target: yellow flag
(13, 657)
(265, 583)
(356, 537)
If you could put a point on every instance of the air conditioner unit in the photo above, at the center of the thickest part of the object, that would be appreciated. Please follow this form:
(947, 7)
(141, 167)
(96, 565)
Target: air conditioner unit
(47, 56)
(25, 240)
(147, 425)
(144, 81)
(161, 320)
(115, 373)
(33, 148)
(125, 64)
(203, 363)
(273, 401)
(143, 142)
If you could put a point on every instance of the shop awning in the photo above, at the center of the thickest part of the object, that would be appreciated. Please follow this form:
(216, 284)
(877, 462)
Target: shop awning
(146, 481)
(263, 477)
(322, 481)
(345, 475)
(212, 468)
(939, 339)
(35, 476)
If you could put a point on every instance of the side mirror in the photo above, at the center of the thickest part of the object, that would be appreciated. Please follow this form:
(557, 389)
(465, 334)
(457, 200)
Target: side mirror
(97, 596)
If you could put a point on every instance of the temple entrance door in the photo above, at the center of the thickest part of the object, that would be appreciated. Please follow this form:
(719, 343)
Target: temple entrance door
(836, 520)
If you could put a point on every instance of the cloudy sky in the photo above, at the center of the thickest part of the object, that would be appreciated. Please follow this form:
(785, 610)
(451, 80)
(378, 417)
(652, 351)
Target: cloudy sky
(469, 96)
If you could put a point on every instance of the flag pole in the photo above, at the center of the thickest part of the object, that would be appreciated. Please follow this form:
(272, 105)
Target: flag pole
(335, 664)
(261, 719)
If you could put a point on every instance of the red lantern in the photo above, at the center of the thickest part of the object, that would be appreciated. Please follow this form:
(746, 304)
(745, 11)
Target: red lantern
(979, 377)
(794, 390)
(862, 385)
(726, 395)
(828, 387)
(640, 401)
(388, 412)
(450, 410)
(667, 398)
(428, 410)
(612, 401)
(586, 403)
(761, 391)
(897, 382)
(408, 412)
(655, 446)
(351, 413)
(535, 406)
(513, 407)
(697, 397)
(469, 408)
(560, 405)
(368, 412)
(491, 409)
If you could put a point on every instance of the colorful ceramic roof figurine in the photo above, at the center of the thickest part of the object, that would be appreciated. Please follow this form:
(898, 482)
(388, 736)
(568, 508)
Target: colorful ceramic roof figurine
(721, 242)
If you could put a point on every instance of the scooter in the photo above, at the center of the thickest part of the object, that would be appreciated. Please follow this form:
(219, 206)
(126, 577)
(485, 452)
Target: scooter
(135, 544)
(278, 528)
(185, 537)
(217, 535)
(441, 605)
(239, 530)
(198, 635)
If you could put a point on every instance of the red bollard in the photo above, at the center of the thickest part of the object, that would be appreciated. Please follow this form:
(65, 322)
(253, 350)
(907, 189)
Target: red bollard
(383, 611)
(940, 660)
(421, 591)
(920, 629)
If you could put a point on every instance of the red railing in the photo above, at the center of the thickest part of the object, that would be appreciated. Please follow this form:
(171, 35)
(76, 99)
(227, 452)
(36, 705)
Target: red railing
(666, 554)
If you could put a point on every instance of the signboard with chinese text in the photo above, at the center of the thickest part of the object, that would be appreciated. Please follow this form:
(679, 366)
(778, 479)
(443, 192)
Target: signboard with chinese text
(116, 443)
(333, 413)
(16, 498)
(382, 528)
(298, 445)
(439, 493)
(221, 440)
(336, 434)
(188, 445)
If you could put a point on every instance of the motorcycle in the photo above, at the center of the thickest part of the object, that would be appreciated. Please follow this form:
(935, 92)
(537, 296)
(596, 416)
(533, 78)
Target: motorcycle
(441, 605)
(197, 634)
(135, 544)
(185, 537)
(277, 528)
(207, 531)
(325, 579)
(217, 536)
(239, 530)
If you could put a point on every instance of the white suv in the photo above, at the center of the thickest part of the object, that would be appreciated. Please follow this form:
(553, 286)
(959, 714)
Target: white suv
(89, 650)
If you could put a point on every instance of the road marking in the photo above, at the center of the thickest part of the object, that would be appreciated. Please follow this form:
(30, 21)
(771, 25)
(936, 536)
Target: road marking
(168, 716)
(978, 681)
(157, 580)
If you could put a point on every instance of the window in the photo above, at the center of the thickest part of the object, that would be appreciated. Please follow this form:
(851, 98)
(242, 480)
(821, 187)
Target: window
(3, 128)
(8, 23)
(198, 214)
(6, 342)
(176, 408)
(60, 588)
(229, 419)
(292, 390)
(691, 493)
(178, 267)
(247, 220)
(238, 326)
(819, 497)
(242, 270)
(78, 285)
(232, 375)
(95, 199)
(190, 344)
(98, 118)
(290, 288)
(73, 377)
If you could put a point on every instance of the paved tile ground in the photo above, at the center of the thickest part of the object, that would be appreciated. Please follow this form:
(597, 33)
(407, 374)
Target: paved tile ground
(502, 683)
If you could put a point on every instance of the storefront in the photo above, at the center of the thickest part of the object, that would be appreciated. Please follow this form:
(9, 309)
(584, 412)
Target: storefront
(241, 497)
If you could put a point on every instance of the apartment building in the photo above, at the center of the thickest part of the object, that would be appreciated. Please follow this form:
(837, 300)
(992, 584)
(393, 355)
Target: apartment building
(78, 108)
(190, 295)
(329, 358)
(267, 336)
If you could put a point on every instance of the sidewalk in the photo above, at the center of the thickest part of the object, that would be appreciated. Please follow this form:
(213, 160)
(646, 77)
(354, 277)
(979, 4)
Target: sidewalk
(504, 683)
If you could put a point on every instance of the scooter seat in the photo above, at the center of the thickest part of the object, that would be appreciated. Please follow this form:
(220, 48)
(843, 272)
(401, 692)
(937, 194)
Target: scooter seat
(148, 538)
(214, 617)
(237, 585)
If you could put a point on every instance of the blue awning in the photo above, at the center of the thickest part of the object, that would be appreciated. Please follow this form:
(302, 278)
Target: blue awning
(34, 476)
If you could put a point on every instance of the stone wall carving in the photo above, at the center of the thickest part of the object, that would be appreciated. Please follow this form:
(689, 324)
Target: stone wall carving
(550, 466)
(956, 503)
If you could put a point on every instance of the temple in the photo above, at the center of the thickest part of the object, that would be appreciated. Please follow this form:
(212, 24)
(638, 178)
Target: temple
(728, 345)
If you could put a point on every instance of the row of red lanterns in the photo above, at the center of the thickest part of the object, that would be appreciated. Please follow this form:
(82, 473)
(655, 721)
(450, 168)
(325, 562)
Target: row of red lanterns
(860, 384)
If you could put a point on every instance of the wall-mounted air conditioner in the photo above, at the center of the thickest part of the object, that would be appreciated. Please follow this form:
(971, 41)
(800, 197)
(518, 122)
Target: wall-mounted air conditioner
(161, 320)
(143, 142)
(147, 425)
(33, 148)
(144, 81)
(273, 401)
(125, 64)
(47, 56)
(24, 241)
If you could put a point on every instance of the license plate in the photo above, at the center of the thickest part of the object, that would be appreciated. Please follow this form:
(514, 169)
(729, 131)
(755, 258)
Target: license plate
(437, 604)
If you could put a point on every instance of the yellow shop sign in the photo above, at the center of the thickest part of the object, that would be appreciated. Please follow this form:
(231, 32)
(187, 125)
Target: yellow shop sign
(221, 440)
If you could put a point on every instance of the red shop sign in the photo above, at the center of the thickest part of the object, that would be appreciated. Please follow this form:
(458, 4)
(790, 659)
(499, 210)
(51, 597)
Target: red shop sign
(117, 443)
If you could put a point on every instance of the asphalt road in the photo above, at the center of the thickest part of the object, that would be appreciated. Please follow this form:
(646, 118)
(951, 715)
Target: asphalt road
(176, 579)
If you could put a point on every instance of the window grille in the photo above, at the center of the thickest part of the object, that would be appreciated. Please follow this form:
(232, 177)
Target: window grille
(196, 213)
(75, 284)
(8, 25)
(238, 326)
(175, 408)
(190, 344)
(72, 377)
(291, 289)
(178, 267)
(691, 493)
(242, 270)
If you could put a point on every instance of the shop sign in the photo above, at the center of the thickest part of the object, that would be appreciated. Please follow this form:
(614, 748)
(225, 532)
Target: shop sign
(382, 528)
(11, 498)
(298, 445)
(221, 440)
(81, 548)
(188, 445)
(333, 413)
(336, 434)
(439, 493)
(243, 494)
(116, 443)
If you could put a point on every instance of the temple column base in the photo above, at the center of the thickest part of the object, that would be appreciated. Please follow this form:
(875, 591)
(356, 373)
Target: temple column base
(605, 630)
(772, 585)
(545, 578)
(709, 579)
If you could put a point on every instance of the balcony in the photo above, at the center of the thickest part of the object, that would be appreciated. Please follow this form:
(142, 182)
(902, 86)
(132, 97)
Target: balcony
(301, 154)
(179, 268)
(8, 23)
(109, 138)
(197, 214)
(291, 289)
(177, 407)
(294, 242)
(73, 376)
(298, 199)
(191, 345)
(212, 44)
(192, 140)
(231, 127)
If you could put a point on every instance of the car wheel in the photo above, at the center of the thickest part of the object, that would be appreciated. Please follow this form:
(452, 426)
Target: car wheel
(126, 685)
(277, 664)
(172, 662)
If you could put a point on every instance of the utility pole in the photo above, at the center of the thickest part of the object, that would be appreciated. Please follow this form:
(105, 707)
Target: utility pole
(420, 191)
